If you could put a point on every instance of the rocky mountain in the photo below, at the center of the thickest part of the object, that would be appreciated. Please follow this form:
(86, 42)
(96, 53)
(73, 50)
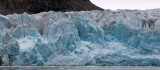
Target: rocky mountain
(37, 6)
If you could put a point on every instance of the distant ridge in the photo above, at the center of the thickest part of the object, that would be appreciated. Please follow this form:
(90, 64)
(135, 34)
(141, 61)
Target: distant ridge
(37, 6)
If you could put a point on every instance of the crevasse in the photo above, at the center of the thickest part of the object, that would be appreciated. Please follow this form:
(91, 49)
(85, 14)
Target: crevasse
(86, 38)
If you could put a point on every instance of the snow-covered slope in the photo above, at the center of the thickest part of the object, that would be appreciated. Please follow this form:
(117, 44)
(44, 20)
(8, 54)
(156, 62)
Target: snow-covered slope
(86, 38)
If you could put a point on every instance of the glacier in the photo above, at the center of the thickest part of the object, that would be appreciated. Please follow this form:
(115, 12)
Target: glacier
(85, 38)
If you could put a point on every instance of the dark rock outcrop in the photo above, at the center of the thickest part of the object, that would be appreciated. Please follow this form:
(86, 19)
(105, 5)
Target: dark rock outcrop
(36, 6)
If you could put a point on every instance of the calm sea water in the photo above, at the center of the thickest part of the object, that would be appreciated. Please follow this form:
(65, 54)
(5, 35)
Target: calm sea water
(77, 68)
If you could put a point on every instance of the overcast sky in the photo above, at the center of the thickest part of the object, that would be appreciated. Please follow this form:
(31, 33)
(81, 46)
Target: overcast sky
(127, 4)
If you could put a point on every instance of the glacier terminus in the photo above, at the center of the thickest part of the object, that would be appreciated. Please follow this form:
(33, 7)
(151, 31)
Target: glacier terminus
(85, 38)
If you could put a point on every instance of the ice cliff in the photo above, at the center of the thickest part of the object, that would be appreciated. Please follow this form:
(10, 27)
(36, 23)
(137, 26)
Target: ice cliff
(86, 38)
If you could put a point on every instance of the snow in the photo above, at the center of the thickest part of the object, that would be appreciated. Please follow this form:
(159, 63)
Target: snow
(85, 38)
(25, 44)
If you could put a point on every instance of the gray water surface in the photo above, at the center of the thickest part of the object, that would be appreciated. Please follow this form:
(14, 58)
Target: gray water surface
(76, 68)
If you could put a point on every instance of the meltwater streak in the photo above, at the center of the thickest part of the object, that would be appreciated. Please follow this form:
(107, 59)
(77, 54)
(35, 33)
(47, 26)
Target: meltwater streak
(76, 68)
